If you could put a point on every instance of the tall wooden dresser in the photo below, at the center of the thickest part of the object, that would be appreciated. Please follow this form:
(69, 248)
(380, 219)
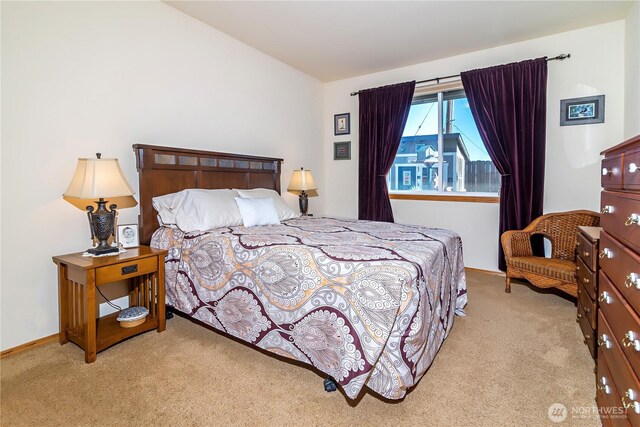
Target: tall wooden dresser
(618, 368)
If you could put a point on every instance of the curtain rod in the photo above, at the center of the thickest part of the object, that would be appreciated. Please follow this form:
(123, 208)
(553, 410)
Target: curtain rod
(560, 57)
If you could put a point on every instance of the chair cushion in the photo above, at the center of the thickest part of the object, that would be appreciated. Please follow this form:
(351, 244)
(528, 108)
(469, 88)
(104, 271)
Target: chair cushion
(560, 269)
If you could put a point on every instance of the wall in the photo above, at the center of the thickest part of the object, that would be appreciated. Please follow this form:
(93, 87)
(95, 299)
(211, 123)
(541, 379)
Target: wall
(632, 72)
(572, 168)
(86, 77)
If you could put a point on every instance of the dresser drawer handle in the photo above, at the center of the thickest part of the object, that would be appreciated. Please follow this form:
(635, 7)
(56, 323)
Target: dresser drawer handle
(633, 279)
(585, 280)
(633, 168)
(586, 254)
(607, 209)
(603, 386)
(634, 218)
(604, 341)
(580, 316)
(630, 340)
(606, 253)
(605, 172)
(605, 297)
(628, 401)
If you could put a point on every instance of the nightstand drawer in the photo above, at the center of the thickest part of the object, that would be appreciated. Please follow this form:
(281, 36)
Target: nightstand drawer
(586, 252)
(587, 331)
(587, 278)
(125, 270)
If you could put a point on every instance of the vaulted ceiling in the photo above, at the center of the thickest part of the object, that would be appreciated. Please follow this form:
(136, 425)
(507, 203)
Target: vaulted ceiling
(332, 40)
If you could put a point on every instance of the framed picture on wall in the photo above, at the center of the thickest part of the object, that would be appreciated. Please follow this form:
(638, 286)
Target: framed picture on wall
(582, 111)
(128, 235)
(342, 124)
(342, 150)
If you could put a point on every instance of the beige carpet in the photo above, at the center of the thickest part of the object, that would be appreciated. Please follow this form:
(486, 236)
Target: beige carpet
(504, 364)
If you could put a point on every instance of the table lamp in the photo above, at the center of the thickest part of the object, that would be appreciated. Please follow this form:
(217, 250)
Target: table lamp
(94, 181)
(301, 182)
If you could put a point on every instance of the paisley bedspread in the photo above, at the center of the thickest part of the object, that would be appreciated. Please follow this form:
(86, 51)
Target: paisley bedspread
(367, 303)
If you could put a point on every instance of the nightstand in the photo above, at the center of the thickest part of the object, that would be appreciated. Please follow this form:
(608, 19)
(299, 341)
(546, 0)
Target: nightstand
(587, 269)
(78, 277)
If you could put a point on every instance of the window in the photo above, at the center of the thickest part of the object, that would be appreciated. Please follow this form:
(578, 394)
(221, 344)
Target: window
(441, 150)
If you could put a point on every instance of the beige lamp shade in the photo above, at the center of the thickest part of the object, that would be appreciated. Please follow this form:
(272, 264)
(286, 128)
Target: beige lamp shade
(99, 178)
(120, 202)
(302, 180)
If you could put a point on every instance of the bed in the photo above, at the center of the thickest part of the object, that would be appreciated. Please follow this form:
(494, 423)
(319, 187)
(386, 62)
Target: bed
(369, 304)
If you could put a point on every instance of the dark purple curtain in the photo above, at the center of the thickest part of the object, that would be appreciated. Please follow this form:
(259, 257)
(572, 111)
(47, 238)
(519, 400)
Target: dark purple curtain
(383, 114)
(509, 105)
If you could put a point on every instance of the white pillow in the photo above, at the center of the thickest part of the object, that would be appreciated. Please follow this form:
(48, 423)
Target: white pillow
(201, 210)
(257, 211)
(283, 209)
(166, 205)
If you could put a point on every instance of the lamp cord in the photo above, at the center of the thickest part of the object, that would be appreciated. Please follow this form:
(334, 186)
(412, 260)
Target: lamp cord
(117, 307)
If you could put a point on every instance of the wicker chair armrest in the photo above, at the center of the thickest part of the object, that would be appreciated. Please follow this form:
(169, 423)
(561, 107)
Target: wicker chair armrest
(516, 243)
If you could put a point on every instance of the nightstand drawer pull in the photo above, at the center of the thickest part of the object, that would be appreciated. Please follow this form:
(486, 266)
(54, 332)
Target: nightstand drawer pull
(130, 269)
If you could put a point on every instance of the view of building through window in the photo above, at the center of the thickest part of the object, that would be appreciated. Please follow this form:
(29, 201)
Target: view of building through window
(466, 166)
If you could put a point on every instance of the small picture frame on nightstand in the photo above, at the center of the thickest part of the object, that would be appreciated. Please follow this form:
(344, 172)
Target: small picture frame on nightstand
(128, 235)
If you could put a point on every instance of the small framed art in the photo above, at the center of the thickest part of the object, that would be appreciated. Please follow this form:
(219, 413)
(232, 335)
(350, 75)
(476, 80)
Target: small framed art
(582, 111)
(128, 235)
(342, 124)
(342, 150)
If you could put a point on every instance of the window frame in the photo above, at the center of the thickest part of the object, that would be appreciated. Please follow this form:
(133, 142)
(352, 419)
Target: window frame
(440, 194)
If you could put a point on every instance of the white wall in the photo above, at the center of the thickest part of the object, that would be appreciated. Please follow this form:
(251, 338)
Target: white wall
(86, 77)
(632, 72)
(572, 179)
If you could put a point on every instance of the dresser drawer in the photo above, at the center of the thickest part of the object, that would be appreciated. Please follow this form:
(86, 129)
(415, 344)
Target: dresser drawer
(587, 278)
(587, 331)
(620, 216)
(587, 251)
(611, 177)
(624, 379)
(588, 306)
(631, 170)
(622, 267)
(112, 273)
(623, 321)
(608, 397)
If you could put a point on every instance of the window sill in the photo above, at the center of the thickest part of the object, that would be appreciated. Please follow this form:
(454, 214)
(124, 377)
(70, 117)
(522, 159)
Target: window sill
(457, 197)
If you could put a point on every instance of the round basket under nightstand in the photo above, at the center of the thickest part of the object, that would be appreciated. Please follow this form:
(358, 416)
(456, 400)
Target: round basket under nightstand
(133, 316)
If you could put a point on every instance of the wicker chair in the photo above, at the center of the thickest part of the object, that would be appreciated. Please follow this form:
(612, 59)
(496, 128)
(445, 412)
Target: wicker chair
(558, 271)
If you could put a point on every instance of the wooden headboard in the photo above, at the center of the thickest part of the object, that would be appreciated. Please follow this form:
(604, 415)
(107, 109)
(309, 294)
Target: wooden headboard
(164, 170)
